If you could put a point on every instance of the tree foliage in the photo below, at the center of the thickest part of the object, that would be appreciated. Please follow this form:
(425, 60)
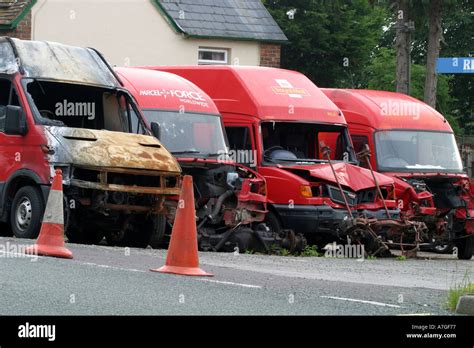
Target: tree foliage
(381, 73)
(330, 41)
(323, 34)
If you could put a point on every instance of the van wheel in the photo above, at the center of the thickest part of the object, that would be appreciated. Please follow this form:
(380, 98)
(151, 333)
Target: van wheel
(158, 226)
(273, 222)
(27, 212)
(465, 248)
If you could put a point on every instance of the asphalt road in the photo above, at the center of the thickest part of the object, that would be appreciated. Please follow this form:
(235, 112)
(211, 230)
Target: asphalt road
(103, 280)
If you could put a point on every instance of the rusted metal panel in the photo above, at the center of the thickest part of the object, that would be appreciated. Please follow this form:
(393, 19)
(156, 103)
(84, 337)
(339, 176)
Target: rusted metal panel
(100, 148)
(124, 188)
(157, 208)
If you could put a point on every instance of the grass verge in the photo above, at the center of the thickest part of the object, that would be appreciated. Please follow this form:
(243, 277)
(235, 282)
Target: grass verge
(464, 288)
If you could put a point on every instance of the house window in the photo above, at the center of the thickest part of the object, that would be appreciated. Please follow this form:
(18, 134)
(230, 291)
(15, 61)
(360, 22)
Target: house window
(213, 56)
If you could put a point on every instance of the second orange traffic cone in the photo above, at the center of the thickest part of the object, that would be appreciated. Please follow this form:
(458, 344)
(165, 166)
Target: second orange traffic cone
(50, 241)
(182, 257)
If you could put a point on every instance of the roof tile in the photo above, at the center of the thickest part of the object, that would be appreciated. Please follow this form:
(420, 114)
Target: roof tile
(242, 19)
(11, 10)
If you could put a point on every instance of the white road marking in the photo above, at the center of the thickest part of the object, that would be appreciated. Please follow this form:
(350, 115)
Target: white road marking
(201, 279)
(363, 301)
(143, 271)
(111, 267)
(229, 283)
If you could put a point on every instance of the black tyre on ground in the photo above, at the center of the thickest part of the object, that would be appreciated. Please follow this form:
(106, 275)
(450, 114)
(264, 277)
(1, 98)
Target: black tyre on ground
(273, 222)
(465, 248)
(27, 212)
(158, 226)
(443, 249)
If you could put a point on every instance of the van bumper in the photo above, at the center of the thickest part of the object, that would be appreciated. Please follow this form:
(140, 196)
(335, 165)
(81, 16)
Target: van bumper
(313, 220)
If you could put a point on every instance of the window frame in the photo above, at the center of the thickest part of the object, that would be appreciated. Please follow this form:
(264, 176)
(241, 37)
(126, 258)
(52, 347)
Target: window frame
(13, 92)
(209, 61)
(251, 139)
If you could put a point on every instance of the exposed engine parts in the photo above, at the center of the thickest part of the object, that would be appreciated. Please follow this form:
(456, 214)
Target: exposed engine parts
(242, 239)
(230, 210)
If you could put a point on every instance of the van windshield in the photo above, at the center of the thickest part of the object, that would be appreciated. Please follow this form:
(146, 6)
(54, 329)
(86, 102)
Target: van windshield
(417, 150)
(297, 143)
(73, 105)
(185, 133)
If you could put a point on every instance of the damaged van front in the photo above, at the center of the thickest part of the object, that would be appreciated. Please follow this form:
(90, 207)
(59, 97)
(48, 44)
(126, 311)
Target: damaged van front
(66, 109)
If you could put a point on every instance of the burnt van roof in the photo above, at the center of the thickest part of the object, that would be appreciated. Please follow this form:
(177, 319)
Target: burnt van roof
(55, 61)
(266, 93)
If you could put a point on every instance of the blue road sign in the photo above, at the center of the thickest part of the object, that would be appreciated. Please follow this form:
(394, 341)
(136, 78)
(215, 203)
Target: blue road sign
(455, 65)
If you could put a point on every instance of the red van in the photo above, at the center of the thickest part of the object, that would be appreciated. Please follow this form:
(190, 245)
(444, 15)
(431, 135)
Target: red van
(62, 107)
(415, 145)
(283, 118)
(230, 198)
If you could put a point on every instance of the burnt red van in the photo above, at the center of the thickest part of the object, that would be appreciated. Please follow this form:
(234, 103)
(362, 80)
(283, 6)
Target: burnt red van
(415, 145)
(61, 107)
(230, 198)
(284, 119)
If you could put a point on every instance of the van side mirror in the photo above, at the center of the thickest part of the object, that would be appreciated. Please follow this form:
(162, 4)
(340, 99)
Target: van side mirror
(15, 121)
(155, 130)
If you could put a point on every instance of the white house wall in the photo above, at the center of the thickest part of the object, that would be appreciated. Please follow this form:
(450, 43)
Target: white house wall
(127, 32)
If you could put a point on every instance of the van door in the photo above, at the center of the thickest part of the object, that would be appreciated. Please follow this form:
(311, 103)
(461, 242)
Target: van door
(359, 140)
(242, 144)
(9, 154)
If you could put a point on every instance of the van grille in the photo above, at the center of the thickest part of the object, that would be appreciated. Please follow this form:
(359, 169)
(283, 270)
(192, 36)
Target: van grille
(127, 179)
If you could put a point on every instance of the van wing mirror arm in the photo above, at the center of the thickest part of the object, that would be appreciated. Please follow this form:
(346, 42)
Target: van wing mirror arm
(156, 130)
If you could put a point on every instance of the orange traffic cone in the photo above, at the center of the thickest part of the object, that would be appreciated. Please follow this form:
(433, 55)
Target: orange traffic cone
(51, 238)
(182, 257)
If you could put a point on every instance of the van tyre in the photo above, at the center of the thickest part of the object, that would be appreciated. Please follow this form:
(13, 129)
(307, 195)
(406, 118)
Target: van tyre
(158, 226)
(273, 222)
(27, 212)
(465, 248)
